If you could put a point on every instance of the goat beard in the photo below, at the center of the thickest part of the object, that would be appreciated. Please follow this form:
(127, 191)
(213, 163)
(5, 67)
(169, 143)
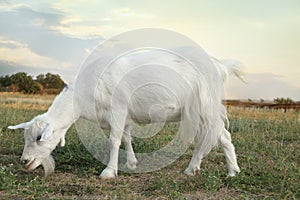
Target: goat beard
(48, 165)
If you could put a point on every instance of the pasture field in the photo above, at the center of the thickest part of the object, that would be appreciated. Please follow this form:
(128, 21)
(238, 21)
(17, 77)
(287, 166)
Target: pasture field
(267, 145)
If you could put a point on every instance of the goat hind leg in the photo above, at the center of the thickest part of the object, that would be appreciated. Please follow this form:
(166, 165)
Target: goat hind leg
(229, 152)
(131, 159)
(194, 165)
(204, 142)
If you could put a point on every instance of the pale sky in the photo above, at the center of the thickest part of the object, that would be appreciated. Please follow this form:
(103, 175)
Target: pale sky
(56, 36)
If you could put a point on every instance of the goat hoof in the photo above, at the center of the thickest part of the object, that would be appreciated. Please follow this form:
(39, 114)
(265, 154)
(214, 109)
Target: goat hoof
(131, 165)
(191, 171)
(108, 173)
(233, 172)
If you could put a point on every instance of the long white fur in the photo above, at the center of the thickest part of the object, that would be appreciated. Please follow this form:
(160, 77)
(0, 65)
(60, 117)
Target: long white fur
(99, 96)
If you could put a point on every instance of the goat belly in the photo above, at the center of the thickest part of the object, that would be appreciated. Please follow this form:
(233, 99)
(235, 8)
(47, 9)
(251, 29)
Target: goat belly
(155, 114)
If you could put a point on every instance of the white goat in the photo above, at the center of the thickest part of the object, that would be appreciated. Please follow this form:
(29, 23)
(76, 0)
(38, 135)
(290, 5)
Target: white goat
(194, 93)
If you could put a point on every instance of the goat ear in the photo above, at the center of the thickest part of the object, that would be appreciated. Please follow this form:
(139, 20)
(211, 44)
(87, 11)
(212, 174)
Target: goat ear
(47, 133)
(22, 125)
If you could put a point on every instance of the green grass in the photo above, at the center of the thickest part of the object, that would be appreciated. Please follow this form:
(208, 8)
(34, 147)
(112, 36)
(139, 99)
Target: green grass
(268, 151)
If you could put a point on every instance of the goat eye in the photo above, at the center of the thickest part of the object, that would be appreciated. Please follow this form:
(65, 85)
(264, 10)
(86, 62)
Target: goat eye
(38, 138)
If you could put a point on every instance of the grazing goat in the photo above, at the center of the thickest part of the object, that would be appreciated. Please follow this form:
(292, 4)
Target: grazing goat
(123, 94)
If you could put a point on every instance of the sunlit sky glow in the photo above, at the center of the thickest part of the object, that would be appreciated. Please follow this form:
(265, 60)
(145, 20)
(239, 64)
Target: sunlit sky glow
(55, 36)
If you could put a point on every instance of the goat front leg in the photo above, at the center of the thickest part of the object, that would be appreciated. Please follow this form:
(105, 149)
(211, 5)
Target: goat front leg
(114, 145)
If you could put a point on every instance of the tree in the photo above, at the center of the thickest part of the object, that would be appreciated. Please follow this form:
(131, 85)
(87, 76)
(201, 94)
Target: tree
(284, 101)
(51, 81)
(41, 79)
(39, 88)
(5, 82)
(24, 83)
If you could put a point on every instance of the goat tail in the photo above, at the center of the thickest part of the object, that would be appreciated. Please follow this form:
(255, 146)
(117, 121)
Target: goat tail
(228, 67)
(202, 119)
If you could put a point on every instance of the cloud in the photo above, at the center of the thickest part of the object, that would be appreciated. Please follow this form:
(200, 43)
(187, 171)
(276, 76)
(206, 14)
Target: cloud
(261, 86)
(23, 24)
(11, 43)
(99, 19)
(18, 53)
(28, 43)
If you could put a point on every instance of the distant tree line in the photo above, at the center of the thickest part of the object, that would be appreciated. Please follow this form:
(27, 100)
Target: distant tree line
(278, 100)
(22, 82)
(284, 101)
